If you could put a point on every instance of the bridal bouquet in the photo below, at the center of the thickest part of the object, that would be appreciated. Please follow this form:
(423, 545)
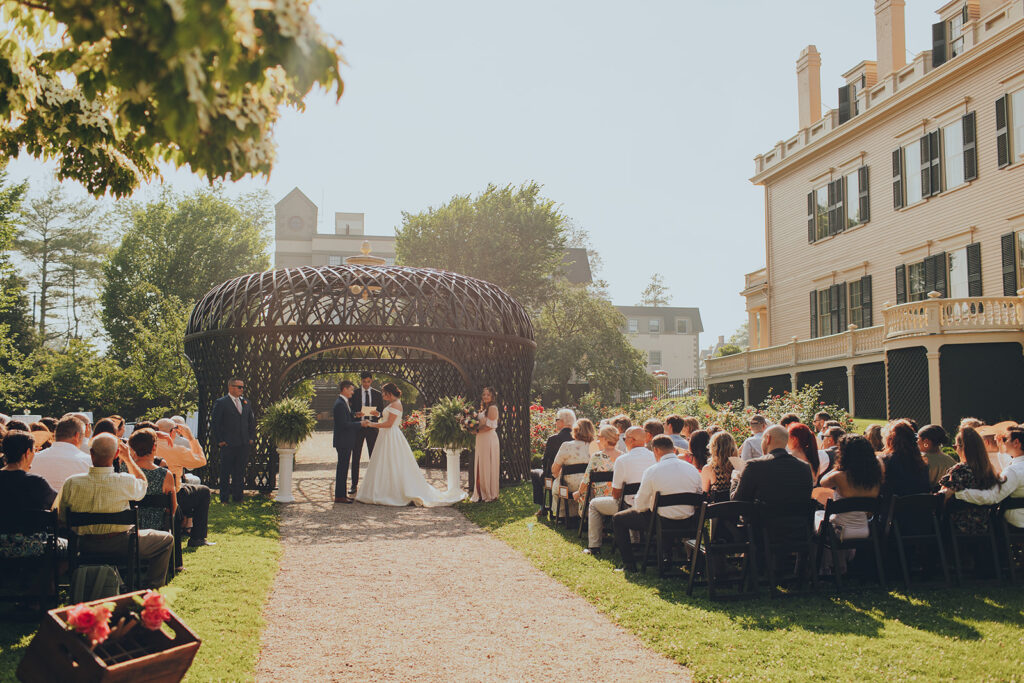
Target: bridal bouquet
(468, 421)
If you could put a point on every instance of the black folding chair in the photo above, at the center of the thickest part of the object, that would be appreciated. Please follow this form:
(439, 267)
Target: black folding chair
(627, 490)
(914, 520)
(595, 478)
(1011, 534)
(725, 535)
(171, 524)
(77, 557)
(43, 571)
(663, 531)
(829, 537)
(951, 508)
(787, 531)
(563, 492)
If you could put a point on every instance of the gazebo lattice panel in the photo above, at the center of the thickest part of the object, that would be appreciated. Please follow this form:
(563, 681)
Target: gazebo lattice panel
(446, 334)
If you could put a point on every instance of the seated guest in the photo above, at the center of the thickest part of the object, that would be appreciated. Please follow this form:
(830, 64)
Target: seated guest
(20, 489)
(856, 474)
(698, 453)
(106, 426)
(830, 441)
(87, 426)
(788, 419)
(621, 423)
(1000, 460)
(601, 460)
(158, 479)
(1013, 479)
(690, 425)
(64, 458)
(713, 429)
(804, 447)
(16, 425)
(972, 422)
(42, 435)
(628, 469)
(193, 499)
(776, 479)
(575, 452)
(818, 422)
(653, 428)
(752, 445)
(904, 470)
(50, 422)
(716, 475)
(930, 440)
(974, 471)
(874, 436)
(669, 475)
(673, 427)
(564, 420)
(103, 490)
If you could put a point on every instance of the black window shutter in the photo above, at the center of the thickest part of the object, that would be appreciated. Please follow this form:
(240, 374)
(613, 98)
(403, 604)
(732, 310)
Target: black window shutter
(841, 290)
(926, 165)
(833, 309)
(970, 147)
(935, 162)
(862, 187)
(929, 275)
(845, 110)
(832, 224)
(810, 217)
(865, 300)
(814, 314)
(938, 44)
(974, 269)
(901, 284)
(897, 178)
(1009, 244)
(941, 270)
(841, 204)
(1002, 131)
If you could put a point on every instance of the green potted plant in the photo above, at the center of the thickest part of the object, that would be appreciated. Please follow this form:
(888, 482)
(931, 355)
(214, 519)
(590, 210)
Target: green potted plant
(446, 429)
(287, 423)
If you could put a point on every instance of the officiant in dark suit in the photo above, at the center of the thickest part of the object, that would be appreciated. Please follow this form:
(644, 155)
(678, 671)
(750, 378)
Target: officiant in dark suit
(364, 397)
(234, 431)
(346, 434)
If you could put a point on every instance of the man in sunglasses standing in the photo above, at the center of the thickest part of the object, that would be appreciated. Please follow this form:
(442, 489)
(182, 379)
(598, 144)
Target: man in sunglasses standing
(234, 431)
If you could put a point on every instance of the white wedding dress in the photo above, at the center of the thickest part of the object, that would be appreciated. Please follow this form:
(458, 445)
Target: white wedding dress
(393, 476)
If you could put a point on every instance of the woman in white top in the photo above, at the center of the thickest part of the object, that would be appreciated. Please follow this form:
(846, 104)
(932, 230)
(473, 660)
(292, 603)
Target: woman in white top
(575, 452)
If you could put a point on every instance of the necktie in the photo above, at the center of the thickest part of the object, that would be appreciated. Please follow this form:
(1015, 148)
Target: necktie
(366, 398)
(238, 404)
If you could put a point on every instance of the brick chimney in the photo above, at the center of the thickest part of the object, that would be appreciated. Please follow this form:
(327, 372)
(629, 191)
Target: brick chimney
(808, 83)
(890, 36)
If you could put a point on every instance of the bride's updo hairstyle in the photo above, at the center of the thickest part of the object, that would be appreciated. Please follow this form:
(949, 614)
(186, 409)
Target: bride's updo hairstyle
(391, 388)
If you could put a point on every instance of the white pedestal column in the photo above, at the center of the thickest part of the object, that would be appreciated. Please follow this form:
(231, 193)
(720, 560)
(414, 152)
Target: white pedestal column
(454, 482)
(286, 459)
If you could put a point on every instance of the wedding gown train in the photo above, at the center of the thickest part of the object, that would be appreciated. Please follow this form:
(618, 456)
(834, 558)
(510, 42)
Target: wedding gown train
(394, 478)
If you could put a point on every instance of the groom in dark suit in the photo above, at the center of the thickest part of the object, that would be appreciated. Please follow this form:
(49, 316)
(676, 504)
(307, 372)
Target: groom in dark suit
(346, 434)
(234, 431)
(364, 397)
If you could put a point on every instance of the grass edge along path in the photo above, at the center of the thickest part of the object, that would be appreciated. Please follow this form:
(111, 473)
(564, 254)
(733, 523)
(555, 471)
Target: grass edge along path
(972, 633)
(220, 595)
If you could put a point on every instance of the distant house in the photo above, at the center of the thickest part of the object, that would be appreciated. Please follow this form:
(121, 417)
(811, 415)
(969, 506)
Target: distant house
(668, 336)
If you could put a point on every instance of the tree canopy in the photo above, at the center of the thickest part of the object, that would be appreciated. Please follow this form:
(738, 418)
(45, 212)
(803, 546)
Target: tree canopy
(179, 246)
(510, 236)
(656, 293)
(110, 89)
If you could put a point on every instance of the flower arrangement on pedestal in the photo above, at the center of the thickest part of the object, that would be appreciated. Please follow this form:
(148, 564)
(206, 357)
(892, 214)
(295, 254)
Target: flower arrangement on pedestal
(445, 421)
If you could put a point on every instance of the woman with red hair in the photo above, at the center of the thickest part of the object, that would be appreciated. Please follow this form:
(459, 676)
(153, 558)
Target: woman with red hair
(803, 446)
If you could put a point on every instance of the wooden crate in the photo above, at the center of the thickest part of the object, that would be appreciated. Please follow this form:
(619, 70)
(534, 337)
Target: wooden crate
(141, 655)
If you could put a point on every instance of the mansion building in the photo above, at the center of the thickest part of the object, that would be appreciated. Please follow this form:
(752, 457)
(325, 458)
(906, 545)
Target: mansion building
(894, 230)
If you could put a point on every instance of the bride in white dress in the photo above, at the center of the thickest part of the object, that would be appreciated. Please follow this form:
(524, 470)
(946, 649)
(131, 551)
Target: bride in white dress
(393, 476)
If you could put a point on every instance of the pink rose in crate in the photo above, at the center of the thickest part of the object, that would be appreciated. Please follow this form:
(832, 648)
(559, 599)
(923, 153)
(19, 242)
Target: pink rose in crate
(82, 619)
(99, 632)
(153, 614)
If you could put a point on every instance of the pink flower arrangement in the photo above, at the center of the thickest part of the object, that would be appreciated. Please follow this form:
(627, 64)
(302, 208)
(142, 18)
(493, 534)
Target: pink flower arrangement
(91, 622)
(154, 613)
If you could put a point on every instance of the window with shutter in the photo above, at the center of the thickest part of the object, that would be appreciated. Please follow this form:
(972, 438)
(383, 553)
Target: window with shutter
(856, 298)
(941, 269)
(821, 210)
(833, 300)
(917, 281)
(970, 147)
(1002, 131)
(914, 171)
(865, 301)
(938, 44)
(824, 312)
(833, 224)
(901, 284)
(897, 179)
(1015, 120)
(974, 269)
(814, 314)
(811, 212)
(1009, 261)
(959, 274)
(841, 298)
(953, 154)
(845, 108)
(864, 205)
(934, 162)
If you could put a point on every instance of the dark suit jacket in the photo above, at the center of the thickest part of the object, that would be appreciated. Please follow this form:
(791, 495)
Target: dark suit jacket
(554, 442)
(231, 427)
(346, 427)
(777, 479)
(376, 400)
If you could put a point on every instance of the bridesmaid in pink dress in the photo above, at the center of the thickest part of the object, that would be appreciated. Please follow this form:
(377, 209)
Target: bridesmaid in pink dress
(487, 461)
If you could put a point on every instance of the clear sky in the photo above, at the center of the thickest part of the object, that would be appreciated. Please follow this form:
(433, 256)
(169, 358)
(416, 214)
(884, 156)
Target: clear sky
(641, 120)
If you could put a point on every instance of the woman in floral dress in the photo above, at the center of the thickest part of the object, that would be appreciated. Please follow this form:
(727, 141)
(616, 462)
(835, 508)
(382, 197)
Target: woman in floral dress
(974, 471)
(601, 461)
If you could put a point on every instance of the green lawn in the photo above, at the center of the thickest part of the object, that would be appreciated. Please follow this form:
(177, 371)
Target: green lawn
(972, 633)
(220, 595)
(861, 423)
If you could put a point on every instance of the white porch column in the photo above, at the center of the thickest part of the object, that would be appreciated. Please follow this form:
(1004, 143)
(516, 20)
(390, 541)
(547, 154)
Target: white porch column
(746, 391)
(934, 387)
(849, 389)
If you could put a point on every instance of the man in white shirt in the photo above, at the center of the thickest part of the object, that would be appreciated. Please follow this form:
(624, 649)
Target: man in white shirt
(64, 458)
(752, 446)
(628, 468)
(1012, 487)
(670, 475)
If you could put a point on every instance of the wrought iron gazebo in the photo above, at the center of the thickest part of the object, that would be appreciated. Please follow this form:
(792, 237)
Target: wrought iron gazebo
(446, 334)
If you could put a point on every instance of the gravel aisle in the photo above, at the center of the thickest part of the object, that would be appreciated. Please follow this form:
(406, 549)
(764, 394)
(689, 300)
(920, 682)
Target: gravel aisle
(377, 593)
